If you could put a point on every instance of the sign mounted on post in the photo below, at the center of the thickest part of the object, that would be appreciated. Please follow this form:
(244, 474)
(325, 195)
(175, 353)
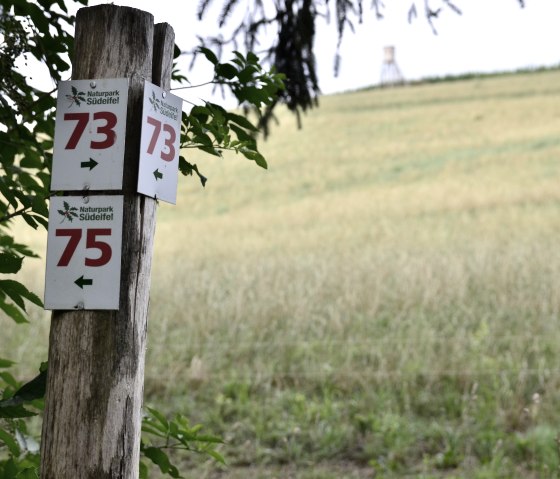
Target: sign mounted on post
(89, 134)
(159, 144)
(84, 252)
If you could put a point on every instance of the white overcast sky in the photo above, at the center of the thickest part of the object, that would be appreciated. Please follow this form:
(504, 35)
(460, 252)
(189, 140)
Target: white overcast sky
(490, 35)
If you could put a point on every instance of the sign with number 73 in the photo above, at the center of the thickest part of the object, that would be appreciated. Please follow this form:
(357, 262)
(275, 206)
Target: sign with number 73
(89, 134)
(159, 144)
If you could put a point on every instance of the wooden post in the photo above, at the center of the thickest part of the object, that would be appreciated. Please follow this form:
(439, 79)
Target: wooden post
(95, 381)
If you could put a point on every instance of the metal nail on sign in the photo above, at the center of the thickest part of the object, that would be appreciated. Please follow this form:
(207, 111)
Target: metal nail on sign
(89, 134)
(84, 252)
(159, 144)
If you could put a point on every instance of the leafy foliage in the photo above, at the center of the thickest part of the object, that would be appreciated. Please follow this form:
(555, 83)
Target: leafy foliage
(19, 451)
(31, 32)
(38, 32)
(161, 434)
(20, 401)
(212, 129)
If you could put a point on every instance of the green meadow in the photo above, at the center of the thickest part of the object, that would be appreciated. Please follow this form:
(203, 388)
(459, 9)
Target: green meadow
(383, 302)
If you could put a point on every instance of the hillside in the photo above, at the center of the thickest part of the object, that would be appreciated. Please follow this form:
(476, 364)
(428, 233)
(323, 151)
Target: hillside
(383, 300)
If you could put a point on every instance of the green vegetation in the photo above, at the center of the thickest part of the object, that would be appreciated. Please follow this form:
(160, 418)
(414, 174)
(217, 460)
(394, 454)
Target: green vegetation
(383, 302)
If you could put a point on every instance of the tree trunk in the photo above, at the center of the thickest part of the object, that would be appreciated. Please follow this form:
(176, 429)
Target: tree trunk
(95, 380)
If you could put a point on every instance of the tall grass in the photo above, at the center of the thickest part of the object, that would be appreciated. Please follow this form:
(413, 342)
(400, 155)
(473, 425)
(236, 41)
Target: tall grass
(385, 298)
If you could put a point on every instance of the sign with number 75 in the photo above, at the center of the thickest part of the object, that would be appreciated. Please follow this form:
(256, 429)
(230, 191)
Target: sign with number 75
(84, 252)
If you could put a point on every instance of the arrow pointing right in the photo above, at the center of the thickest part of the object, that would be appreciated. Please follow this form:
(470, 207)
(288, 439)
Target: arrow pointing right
(81, 282)
(91, 164)
(158, 174)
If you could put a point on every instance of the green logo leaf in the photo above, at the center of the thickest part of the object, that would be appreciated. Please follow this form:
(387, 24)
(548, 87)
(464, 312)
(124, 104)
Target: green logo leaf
(68, 213)
(76, 97)
(155, 102)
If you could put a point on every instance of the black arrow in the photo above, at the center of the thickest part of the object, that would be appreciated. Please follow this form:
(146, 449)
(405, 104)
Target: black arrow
(91, 164)
(158, 175)
(81, 282)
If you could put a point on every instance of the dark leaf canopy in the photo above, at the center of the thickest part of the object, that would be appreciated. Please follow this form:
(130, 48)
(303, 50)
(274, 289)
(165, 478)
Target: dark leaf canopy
(293, 21)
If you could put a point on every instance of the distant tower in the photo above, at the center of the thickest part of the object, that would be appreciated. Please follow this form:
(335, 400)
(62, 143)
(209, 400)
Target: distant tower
(390, 73)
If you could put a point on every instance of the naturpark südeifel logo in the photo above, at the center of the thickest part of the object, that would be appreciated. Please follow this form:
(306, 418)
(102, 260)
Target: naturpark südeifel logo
(68, 213)
(77, 97)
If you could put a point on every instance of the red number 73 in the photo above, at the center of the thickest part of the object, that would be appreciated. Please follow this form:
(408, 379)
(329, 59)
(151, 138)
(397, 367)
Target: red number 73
(107, 129)
(169, 141)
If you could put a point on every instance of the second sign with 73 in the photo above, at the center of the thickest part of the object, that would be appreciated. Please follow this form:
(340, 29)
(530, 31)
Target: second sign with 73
(159, 144)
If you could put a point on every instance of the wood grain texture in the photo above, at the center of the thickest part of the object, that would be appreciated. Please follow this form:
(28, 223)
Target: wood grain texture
(91, 428)
(164, 43)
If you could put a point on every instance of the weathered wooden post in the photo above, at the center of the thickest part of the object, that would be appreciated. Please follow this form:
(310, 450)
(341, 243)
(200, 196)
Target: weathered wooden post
(95, 381)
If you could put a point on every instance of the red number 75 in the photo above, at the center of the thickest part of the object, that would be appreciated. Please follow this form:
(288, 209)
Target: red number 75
(75, 235)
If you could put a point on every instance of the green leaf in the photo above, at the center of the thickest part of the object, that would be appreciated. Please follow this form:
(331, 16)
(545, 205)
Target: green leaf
(255, 156)
(42, 221)
(216, 455)
(247, 74)
(242, 135)
(10, 469)
(13, 312)
(160, 417)
(155, 430)
(160, 458)
(8, 379)
(226, 70)
(28, 473)
(9, 441)
(10, 263)
(15, 289)
(211, 150)
(143, 470)
(34, 389)
(45, 178)
(203, 139)
(29, 220)
(239, 58)
(6, 288)
(255, 95)
(39, 205)
(252, 58)
(32, 159)
(6, 363)
(242, 121)
(260, 160)
(15, 412)
(209, 54)
(187, 168)
(8, 193)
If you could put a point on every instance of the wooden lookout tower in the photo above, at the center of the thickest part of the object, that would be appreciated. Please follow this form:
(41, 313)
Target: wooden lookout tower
(390, 72)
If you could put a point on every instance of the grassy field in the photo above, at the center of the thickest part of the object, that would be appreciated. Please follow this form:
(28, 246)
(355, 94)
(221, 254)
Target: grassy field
(383, 302)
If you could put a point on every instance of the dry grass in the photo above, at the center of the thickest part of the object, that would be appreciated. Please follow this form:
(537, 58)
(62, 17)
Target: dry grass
(398, 205)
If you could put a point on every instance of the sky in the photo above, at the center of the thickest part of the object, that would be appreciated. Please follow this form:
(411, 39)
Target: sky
(490, 35)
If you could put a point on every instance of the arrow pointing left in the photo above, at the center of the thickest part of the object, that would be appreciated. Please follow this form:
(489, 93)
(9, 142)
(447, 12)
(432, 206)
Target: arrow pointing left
(158, 175)
(81, 282)
(91, 164)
